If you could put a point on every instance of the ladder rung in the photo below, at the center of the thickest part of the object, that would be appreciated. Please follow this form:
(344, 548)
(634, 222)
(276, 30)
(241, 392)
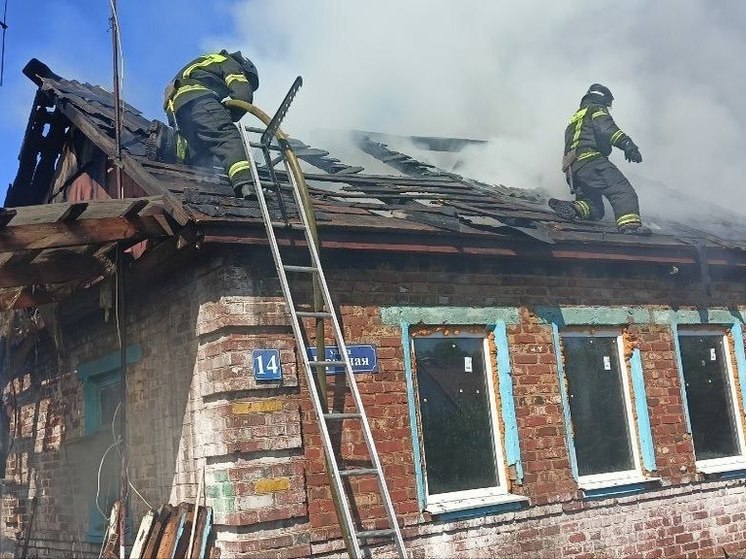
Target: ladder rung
(282, 224)
(259, 145)
(307, 269)
(359, 472)
(314, 314)
(327, 363)
(375, 534)
(340, 416)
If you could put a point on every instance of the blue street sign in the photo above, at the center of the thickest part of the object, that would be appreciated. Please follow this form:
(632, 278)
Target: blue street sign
(363, 358)
(266, 364)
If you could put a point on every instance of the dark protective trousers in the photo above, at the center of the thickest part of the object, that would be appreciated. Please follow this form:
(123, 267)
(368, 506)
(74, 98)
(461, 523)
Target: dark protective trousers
(600, 177)
(209, 132)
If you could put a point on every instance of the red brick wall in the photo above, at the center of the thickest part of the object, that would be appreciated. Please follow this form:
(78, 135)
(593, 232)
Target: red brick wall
(194, 403)
(539, 415)
(684, 516)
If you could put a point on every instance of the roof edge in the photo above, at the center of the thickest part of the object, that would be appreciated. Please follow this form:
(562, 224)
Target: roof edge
(35, 70)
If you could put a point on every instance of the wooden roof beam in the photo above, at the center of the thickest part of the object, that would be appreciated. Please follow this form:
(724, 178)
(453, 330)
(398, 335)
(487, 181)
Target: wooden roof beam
(135, 208)
(70, 268)
(6, 215)
(79, 233)
(73, 211)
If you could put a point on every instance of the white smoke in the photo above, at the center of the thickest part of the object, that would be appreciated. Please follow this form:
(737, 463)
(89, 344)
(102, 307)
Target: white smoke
(513, 73)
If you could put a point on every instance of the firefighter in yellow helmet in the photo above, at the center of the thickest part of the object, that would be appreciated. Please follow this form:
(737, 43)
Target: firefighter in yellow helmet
(193, 106)
(589, 139)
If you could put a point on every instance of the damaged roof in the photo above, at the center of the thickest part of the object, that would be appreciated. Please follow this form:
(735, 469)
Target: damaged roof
(415, 207)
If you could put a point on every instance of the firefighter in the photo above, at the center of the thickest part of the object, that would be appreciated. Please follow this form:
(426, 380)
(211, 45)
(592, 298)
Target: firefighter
(588, 141)
(193, 106)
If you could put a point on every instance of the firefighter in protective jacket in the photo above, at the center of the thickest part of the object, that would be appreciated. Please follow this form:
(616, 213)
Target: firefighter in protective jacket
(589, 139)
(193, 106)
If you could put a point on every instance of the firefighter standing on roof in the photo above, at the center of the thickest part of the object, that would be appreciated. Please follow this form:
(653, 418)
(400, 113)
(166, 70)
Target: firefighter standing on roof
(589, 139)
(193, 106)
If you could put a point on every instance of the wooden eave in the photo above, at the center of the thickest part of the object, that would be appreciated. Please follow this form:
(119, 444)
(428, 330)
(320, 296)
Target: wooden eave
(59, 243)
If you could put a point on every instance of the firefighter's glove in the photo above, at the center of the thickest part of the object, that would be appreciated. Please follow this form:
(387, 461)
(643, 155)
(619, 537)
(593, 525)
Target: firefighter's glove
(632, 152)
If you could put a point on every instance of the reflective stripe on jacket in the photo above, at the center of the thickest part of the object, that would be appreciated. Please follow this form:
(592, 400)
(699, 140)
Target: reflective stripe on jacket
(592, 133)
(217, 74)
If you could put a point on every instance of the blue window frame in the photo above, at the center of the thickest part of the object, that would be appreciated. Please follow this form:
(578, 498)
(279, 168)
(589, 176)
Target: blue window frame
(597, 317)
(712, 375)
(607, 425)
(101, 380)
(607, 321)
(462, 461)
(101, 396)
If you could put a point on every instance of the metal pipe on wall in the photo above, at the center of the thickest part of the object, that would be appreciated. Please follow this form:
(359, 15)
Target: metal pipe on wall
(122, 331)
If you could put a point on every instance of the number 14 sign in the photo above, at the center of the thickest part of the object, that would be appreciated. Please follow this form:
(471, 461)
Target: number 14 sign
(266, 364)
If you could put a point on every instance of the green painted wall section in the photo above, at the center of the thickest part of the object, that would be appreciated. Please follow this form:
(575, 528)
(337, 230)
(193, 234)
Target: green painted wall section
(222, 492)
(567, 316)
(109, 362)
(449, 315)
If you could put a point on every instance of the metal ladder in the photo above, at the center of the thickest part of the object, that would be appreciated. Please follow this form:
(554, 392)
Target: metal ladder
(356, 538)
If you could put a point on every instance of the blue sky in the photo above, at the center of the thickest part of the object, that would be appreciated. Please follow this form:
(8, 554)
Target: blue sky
(73, 39)
(507, 72)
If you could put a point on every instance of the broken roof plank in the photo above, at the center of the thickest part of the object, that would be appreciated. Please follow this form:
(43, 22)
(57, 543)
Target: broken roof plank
(22, 297)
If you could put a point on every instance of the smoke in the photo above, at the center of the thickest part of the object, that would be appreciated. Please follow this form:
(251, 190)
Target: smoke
(513, 73)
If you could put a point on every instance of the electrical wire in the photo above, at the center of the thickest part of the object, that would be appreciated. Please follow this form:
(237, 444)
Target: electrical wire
(98, 477)
(117, 441)
(4, 25)
(116, 298)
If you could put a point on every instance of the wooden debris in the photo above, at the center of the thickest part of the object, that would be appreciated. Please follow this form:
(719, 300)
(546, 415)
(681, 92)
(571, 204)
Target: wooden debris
(110, 549)
(166, 533)
(154, 539)
(142, 535)
(190, 553)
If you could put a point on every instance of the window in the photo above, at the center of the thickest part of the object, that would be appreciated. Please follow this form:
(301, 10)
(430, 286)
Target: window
(462, 458)
(709, 387)
(102, 395)
(96, 452)
(603, 441)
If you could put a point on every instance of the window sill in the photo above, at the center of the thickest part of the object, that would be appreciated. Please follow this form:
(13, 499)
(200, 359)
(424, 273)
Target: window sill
(616, 487)
(458, 506)
(720, 467)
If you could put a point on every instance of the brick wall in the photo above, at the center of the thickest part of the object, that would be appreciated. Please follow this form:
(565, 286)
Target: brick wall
(684, 515)
(682, 521)
(53, 464)
(193, 403)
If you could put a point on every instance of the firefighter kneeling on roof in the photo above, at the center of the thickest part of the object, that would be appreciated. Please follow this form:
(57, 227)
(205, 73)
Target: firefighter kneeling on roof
(205, 127)
(588, 141)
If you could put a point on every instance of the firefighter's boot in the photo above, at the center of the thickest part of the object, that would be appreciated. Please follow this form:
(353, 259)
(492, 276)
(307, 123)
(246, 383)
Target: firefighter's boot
(564, 208)
(244, 190)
